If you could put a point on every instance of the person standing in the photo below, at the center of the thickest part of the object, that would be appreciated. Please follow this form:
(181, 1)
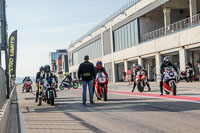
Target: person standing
(86, 71)
(124, 76)
(129, 76)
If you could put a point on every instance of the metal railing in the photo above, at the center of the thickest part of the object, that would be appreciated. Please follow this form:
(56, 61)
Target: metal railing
(178, 26)
(3, 88)
(114, 15)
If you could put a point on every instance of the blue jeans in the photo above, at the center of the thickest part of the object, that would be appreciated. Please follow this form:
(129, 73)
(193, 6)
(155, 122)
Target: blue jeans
(90, 86)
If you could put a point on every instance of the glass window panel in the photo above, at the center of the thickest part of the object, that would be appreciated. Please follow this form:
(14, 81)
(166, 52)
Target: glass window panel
(125, 36)
(117, 40)
(132, 34)
(136, 32)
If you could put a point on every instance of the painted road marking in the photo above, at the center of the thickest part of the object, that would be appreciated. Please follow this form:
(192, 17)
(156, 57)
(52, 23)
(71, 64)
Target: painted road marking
(169, 97)
(177, 97)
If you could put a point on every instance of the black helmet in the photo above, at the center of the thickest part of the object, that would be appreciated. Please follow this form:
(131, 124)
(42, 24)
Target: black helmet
(99, 63)
(28, 77)
(41, 68)
(47, 68)
(166, 60)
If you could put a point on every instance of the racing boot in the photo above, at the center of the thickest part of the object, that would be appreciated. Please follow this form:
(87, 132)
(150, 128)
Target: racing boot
(161, 88)
(148, 85)
(134, 85)
(36, 99)
(40, 101)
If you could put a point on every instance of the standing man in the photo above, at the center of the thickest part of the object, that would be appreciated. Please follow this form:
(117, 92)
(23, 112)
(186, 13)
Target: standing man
(86, 71)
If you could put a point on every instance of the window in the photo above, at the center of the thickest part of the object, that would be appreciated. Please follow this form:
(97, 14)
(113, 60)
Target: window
(126, 36)
(93, 50)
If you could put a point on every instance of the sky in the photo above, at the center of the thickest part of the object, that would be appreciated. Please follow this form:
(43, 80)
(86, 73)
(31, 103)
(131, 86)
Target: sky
(46, 25)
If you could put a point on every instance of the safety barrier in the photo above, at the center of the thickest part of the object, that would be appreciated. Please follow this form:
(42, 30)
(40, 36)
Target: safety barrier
(2, 87)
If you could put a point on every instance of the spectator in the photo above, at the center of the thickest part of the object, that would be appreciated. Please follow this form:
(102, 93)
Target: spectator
(86, 71)
(124, 76)
(129, 76)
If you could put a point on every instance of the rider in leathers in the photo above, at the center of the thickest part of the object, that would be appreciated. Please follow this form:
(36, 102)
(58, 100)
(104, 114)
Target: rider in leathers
(166, 63)
(48, 74)
(137, 68)
(39, 77)
(99, 68)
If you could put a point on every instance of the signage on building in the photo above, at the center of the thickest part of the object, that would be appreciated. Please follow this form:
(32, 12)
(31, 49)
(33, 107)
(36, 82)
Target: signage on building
(12, 50)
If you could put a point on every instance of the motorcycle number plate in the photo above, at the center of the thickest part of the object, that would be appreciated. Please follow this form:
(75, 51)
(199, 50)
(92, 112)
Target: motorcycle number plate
(171, 74)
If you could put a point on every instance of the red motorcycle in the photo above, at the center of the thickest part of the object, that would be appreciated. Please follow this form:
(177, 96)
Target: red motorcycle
(140, 80)
(28, 86)
(101, 86)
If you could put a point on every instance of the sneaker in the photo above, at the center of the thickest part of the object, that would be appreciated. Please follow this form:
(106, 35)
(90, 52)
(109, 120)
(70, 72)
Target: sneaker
(161, 94)
(36, 101)
(39, 104)
(91, 102)
(84, 103)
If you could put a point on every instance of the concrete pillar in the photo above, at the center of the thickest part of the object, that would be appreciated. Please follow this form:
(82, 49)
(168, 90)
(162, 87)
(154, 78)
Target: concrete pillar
(193, 8)
(111, 39)
(113, 72)
(182, 58)
(167, 16)
(140, 62)
(158, 63)
(125, 65)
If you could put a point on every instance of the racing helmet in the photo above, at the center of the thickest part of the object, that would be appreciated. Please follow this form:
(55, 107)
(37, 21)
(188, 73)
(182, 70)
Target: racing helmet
(99, 64)
(47, 68)
(66, 74)
(41, 68)
(166, 60)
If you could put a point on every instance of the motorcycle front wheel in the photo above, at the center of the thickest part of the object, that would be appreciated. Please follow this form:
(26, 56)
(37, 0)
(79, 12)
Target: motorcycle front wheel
(51, 98)
(140, 87)
(97, 95)
(62, 86)
(174, 88)
(75, 85)
(104, 93)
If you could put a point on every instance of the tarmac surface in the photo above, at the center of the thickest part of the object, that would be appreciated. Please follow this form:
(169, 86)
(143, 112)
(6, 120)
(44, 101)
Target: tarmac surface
(124, 112)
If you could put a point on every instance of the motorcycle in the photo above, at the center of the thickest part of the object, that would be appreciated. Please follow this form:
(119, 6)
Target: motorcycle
(65, 84)
(188, 75)
(48, 91)
(185, 75)
(101, 86)
(140, 80)
(27, 87)
(169, 80)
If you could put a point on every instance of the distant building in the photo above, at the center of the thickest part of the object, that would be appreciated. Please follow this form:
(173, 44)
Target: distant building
(56, 61)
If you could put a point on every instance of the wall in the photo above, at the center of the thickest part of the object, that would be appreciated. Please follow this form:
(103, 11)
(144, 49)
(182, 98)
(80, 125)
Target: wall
(108, 67)
(2, 87)
(151, 21)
